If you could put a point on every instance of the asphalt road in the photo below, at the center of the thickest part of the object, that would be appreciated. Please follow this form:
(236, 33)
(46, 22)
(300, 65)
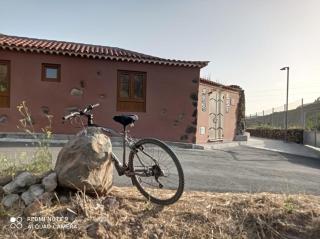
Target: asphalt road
(237, 169)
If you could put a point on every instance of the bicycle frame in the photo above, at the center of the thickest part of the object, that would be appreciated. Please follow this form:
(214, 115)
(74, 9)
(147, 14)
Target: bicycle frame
(122, 168)
(126, 140)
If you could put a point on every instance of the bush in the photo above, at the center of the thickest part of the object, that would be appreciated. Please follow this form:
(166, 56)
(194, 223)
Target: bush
(294, 135)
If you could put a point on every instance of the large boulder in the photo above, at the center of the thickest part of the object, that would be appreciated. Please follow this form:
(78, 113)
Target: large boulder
(84, 163)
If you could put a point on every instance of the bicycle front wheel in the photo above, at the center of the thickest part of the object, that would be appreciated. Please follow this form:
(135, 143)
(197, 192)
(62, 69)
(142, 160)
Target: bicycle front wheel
(157, 172)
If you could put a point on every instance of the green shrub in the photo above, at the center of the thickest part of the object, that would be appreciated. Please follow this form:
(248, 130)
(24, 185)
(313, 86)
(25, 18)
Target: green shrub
(294, 135)
(40, 159)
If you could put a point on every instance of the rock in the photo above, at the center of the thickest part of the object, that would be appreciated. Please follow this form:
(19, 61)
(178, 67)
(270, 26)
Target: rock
(25, 179)
(44, 174)
(10, 200)
(1, 191)
(20, 183)
(46, 198)
(36, 190)
(50, 182)
(5, 180)
(3, 119)
(97, 230)
(27, 197)
(32, 193)
(76, 92)
(36, 205)
(45, 109)
(12, 187)
(111, 203)
(32, 209)
(9, 188)
(84, 163)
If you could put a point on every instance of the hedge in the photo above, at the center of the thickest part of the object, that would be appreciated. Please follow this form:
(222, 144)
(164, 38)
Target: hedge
(294, 135)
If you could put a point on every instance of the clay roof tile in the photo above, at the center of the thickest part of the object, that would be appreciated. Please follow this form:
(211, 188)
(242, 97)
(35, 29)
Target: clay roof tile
(86, 50)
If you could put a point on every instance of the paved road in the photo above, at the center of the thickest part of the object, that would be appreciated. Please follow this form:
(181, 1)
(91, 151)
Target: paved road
(238, 169)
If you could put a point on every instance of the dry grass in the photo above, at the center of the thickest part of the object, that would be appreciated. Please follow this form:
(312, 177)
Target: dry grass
(196, 215)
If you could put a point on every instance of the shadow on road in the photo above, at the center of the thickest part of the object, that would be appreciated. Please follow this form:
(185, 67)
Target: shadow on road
(270, 156)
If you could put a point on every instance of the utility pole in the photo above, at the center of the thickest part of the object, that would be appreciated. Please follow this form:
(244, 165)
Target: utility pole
(302, 114)
(286, 116)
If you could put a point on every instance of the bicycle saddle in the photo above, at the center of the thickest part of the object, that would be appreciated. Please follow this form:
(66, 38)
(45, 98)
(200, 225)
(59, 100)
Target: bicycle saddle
(125, 119)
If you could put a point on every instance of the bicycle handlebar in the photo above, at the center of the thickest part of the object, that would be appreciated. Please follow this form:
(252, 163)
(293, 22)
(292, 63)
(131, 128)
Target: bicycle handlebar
(80, 112)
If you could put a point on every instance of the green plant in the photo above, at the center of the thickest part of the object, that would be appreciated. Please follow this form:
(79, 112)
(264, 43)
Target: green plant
(9, 165)
(42, 161)
(289, 205)
(313, 121)
(41, 158)
(26, 124)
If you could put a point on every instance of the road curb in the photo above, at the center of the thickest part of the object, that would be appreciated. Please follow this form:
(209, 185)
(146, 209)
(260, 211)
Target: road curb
(316, 150)
(116, 142)
(223, 145)
(61, 139)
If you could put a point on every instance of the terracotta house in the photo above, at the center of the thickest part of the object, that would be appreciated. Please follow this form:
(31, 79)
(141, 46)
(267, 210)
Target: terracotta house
(56, 77)
(218, 107)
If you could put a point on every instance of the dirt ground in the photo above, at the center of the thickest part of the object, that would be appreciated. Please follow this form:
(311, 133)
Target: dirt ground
(126, 214)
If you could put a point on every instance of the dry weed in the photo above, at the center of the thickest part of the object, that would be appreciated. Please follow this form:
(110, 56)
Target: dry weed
(125, 214)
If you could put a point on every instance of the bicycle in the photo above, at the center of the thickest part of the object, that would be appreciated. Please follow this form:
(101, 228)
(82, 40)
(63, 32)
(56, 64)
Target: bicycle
(143, 162)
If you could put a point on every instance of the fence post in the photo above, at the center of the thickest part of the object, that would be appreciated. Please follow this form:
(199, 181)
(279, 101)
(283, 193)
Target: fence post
(263, 119)
(302, 115)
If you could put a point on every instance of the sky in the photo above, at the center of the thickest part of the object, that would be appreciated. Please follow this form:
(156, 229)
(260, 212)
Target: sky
(246, 41)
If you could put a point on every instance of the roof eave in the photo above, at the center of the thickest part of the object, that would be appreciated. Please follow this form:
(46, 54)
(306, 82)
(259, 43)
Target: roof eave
(227, 87)
(198, 64)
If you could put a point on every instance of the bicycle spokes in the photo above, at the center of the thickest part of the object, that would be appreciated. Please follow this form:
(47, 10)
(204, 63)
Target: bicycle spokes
(160, 171)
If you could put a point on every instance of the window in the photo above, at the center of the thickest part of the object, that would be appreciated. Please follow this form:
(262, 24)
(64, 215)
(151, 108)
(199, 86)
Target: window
(131, 93)
(51, 72)
(228, 103)
(4, 84)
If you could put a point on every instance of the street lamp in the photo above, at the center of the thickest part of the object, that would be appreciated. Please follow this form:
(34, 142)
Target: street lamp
(286, 122)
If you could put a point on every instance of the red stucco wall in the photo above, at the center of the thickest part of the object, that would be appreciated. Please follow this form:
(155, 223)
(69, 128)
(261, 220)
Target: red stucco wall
(229, 117)
(169, 106)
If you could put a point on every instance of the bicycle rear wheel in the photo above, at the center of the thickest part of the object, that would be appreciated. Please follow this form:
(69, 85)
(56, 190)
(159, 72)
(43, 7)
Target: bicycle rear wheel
(161, 170)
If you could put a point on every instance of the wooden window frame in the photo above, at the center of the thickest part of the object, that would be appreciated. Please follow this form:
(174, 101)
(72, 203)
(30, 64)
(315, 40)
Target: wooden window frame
(8, 64)
(131, 99)
(50, 65)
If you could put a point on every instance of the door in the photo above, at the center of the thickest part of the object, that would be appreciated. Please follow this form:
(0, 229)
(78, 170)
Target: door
(4, 84)
(216, 114)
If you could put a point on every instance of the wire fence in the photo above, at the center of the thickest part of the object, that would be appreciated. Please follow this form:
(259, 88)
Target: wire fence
(301, 115)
